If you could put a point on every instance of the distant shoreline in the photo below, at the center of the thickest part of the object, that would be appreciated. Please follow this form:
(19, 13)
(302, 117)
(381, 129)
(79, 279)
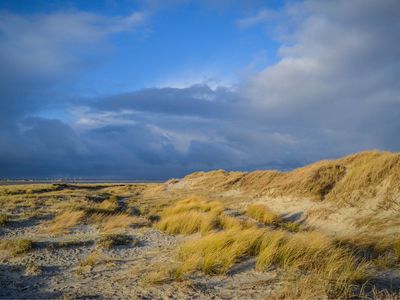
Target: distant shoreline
(78, 181)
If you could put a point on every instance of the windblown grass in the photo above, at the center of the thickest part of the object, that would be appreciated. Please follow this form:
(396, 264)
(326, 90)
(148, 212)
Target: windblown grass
(117, 223)
(319, 266)
(262, 214)
(110, 204)
(307, 256)
(191, 215)
(64, 221)
(217, 252)
(193, 203)
(160, 275)
(16, 247)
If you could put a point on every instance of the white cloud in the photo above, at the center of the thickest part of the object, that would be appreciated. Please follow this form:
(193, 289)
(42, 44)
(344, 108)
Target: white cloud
(261, 17)
(52, 40)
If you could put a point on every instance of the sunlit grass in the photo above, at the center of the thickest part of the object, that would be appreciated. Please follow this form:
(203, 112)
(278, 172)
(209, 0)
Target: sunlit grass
(262, 214)
(16, 247)
(64, 221)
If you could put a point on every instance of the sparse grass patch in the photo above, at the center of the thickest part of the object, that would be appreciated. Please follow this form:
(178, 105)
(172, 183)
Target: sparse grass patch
(70, 244)
(4, 218)
(33, 269)
(110, 224)
(110, 204)
(109, 241)
(93, 259)
(16, 247)
(161, 275)
(262, 214)
(64, 221)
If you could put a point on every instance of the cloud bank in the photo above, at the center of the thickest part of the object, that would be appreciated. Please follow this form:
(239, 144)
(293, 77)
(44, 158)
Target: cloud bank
(334, 90)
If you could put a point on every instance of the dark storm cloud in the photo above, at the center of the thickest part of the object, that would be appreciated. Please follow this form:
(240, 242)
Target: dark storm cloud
(197, 100)
(335, 90)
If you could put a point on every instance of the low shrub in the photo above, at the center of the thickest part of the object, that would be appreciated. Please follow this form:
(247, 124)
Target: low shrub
(109, 241)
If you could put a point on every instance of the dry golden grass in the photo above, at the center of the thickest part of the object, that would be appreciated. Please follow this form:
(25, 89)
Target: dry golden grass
(191, 215)
(91, 260)
(188, 223)
(262, 214)
(110, 204)
(348, 180)
(193, 203)
(218, 252)
(304, 250)
(63, 222)
(161, 274)
(16, 247)
(228, 222)
(117, 223)
(321, 213)
(310, 257)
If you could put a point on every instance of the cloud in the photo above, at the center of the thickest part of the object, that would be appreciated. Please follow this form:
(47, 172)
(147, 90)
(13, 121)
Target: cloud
(261, 17)
(335, 90)
(41, 50)
(339, 72)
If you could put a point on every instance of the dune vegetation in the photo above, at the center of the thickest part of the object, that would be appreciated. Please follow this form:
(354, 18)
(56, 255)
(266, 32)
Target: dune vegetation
(328, 230)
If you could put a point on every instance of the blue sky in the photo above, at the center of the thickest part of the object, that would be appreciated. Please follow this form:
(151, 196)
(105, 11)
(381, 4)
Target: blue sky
(158, 89)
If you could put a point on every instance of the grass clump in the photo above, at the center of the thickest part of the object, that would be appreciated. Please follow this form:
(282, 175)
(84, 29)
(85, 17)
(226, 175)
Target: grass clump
(119, 222)
(228, 222)
(109, 241)
(111, 204)
(4, 218)
(161, 275)
(16, 247)
(314, 261)
(87, 264)
(191, 215)
(188, 223)
(217, 252)
(193, 203)
(262, 214)
(64, 221)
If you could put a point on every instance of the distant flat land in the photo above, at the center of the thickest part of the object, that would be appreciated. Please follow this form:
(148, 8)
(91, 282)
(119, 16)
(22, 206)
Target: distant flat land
(78, 181)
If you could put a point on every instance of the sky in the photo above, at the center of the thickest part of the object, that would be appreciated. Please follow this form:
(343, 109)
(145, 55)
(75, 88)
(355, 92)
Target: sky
(161, 88)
